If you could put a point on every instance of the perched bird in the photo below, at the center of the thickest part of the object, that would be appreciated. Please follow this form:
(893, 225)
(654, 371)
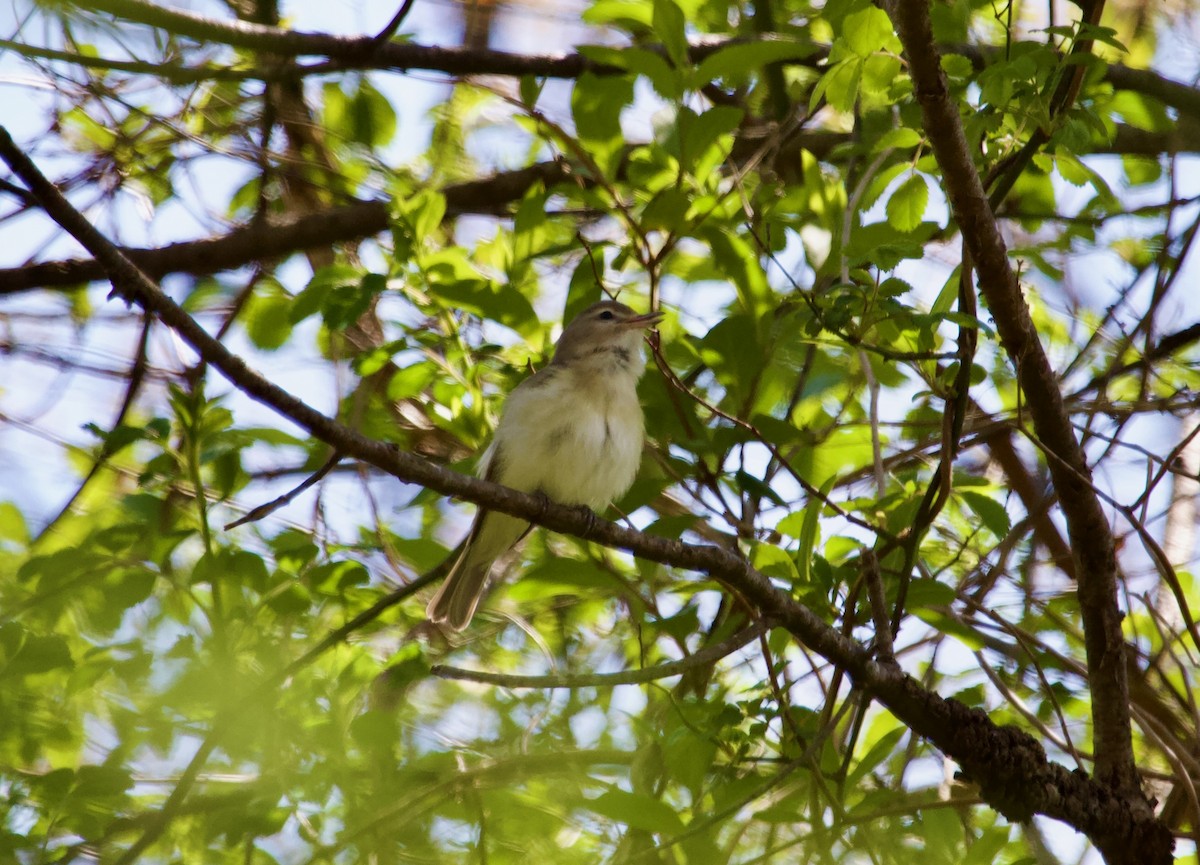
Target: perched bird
(572, 431)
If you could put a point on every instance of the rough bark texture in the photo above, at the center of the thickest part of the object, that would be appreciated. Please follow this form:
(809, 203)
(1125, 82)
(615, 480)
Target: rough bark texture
(1090, 536)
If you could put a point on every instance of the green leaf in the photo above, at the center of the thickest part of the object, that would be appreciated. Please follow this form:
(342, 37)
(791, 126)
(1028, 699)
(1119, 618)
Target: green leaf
(839, 85)
(531, 89)
(425, 211)
(584, 289)
(94, 782)
(637, 811)
(27, 654)
(956, 66)
(810, 532)
(12, 524)
(290, 598)
(667, 210)
(906, 207)
(128, 587)
(878, 752)
(735, 62)
(311, 300)
(411, 380)
(1071, 169)
(596, 105)
(630, 14)
(459, 286)
(268, 316)
(245, 568)
(1142, 111)
(669, 27)
(868, 31)
(364, 116)
(667, 80)
(774, 562)
(700, 132)
(991, 512)
(901, 138)
(739, 261)
(882, 76)
(929, 593)
(879, 244)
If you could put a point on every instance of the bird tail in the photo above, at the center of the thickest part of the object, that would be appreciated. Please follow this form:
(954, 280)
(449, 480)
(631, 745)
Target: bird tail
(490, 536)
(455, 602)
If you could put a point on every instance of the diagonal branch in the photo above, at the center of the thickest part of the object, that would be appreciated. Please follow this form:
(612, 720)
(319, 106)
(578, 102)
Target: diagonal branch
(1090, 535)
(1010, 767)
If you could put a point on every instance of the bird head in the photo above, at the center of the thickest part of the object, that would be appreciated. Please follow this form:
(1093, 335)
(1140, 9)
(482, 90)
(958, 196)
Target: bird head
(604, 332)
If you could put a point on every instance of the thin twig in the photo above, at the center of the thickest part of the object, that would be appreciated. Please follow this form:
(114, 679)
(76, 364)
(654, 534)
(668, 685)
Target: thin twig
(275, 504)
(386, 34)
(707, 655)
(884, 650)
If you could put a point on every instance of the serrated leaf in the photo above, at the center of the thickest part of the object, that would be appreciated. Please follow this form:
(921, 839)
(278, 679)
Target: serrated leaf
(957, 66)
(1071, 169)
(839, 85)
(906, 207)
(868, 31)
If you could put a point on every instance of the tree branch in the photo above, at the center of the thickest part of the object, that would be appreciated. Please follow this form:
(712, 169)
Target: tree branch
(366, 52)
(1091, 537)
(281, 236)
(1010, 767)
(277, 237)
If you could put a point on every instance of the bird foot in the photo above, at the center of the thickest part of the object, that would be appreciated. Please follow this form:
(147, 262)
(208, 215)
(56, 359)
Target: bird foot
(588, 515)
(590, 518)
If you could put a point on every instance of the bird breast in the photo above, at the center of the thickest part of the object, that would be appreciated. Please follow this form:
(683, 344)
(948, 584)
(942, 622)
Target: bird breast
(575, 436)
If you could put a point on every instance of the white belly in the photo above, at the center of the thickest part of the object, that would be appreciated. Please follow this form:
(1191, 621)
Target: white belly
(580, 446)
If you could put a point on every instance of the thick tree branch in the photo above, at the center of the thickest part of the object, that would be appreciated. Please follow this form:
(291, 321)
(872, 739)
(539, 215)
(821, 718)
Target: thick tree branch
(1091, 537)
(277, 237)
(351, 51)
(281, 236)
(1009, 766)
(367, 52)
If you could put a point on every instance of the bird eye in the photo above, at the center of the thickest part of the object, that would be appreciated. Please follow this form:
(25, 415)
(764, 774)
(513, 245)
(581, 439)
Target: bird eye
(607, 315)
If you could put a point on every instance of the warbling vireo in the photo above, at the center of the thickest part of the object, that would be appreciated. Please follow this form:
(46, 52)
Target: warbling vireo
(572, 431)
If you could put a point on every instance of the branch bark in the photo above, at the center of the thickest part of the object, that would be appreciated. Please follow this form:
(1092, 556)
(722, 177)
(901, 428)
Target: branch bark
(1010, 767)
(281, 236)
(272, 238)
(1087, 525)
(367, 52)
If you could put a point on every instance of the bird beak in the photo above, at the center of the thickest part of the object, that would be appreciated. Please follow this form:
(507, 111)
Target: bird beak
(645, 321)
